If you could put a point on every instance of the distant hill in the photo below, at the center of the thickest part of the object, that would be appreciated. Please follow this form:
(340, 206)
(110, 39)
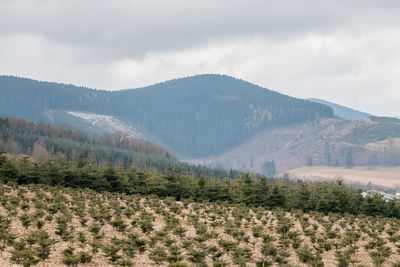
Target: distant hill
(194, 117)
(330, 142)
(342, 111)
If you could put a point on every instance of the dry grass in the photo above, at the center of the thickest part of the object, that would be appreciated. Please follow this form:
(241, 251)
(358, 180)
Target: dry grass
(389, 177)
(212, 233)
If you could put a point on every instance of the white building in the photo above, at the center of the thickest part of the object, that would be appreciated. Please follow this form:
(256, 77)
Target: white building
(384, 195)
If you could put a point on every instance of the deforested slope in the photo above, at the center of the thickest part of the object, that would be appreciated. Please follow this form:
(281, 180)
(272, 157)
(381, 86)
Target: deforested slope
(330, 142)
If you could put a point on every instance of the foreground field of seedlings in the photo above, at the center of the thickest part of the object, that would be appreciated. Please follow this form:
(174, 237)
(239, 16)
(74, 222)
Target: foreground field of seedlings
(52, 226)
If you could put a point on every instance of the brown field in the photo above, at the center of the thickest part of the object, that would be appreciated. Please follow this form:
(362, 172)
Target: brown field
(388, 177)
(48, 226)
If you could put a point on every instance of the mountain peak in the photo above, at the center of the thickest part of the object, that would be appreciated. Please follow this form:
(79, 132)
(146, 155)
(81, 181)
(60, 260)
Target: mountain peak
(194, 116)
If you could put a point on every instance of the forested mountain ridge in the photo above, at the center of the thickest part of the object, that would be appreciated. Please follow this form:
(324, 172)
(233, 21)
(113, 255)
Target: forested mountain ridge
(195, 116)
(208, 114)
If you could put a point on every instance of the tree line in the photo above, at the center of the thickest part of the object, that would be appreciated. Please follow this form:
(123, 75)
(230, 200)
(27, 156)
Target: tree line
(261, 191)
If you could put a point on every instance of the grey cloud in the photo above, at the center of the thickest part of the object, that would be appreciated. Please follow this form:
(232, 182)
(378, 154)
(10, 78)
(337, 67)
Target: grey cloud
(337, 50)
(133, 28)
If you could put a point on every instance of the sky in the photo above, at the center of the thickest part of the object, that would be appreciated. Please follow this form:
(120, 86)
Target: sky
(347, 52)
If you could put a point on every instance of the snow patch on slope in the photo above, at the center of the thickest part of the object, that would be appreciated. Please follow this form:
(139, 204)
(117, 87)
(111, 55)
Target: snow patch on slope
(108, 123)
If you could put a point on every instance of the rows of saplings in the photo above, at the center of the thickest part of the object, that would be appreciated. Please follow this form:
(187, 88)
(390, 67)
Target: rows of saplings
(252, 191)
(51, 226)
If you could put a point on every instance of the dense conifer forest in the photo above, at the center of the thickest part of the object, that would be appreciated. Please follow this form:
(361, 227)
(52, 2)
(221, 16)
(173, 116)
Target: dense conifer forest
(194, 117)
(43, 141)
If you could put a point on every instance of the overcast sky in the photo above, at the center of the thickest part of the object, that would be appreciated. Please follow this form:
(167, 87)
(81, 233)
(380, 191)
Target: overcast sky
(346, 52)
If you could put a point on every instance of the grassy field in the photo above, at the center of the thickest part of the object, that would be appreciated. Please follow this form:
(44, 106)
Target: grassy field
(51, 226)
(389, 177)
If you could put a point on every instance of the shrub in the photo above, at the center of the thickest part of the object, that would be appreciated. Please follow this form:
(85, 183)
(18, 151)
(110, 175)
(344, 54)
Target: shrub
(158, 255)
(23, 255)
(380, 254)
(44, 244)
(196, 256)
(305, 254)
(69, 258)
(111, 252)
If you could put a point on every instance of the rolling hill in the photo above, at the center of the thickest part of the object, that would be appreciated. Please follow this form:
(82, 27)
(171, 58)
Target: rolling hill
(194, 117)
(329, 142)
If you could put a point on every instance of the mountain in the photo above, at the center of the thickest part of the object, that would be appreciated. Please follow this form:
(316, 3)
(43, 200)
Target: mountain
(194, 117)
(329, 142)
(342, 111)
